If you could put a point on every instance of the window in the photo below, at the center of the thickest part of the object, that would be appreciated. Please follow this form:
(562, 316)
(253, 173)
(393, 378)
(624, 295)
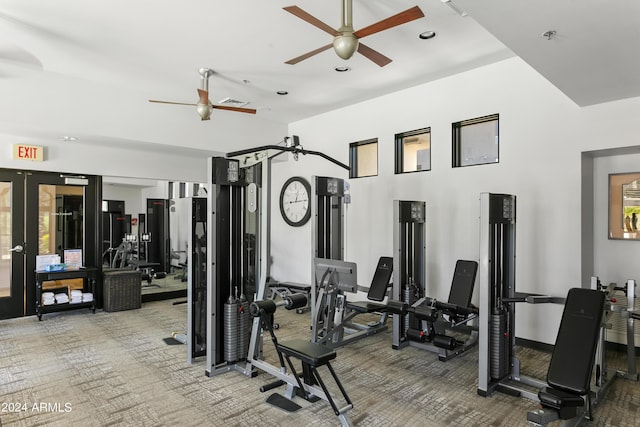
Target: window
(363, 158)
(413, 151)
(475, 141)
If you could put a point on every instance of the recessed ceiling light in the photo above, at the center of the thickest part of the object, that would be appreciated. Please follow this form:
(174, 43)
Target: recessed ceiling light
(68, 138)
(427, 35)
(282, 92)
(342, 69)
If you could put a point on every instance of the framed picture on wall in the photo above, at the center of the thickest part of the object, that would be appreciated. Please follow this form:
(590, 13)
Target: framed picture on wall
(624, 206)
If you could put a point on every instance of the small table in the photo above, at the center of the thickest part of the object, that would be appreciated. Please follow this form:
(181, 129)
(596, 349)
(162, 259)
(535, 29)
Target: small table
(88, 274)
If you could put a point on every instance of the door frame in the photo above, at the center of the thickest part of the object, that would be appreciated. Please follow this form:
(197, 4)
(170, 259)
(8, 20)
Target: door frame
(14, 305)
(92, 237)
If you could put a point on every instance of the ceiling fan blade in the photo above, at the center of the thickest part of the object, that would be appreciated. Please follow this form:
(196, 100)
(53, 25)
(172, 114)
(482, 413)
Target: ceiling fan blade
(238, 109)
(295, 10)
(204, 97)
(392, 21)
(373, 55)
(308, 54)
(170, 102)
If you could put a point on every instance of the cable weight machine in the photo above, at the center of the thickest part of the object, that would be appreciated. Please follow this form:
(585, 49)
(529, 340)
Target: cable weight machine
(408, 266)
(233, 198)
(498, 367)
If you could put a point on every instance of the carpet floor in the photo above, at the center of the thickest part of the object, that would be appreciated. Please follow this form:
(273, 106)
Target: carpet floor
(114, 369)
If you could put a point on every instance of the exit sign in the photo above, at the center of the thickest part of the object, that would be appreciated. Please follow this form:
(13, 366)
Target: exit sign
(28, 152)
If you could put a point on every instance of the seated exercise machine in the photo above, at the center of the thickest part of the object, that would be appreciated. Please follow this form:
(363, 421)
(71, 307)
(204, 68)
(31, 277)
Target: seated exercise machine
(420, 321)
(334, 315)
(311, 356)
(425, 323)
(568, 394)
(332, 277)
(498, 365)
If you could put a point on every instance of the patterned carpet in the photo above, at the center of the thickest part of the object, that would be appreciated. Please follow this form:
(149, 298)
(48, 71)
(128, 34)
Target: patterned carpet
(113, 369)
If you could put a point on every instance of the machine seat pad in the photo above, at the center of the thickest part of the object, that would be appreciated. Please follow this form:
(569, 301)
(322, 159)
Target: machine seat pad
(366, 306)
(310, 353)
(558, 399)
(293, 286)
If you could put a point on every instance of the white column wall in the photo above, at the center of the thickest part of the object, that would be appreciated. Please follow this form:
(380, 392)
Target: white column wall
(542, 135)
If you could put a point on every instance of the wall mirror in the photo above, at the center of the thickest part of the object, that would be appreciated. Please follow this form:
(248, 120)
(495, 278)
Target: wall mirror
(624, 206)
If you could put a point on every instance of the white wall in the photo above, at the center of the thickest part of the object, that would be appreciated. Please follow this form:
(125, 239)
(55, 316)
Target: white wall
(542, 135)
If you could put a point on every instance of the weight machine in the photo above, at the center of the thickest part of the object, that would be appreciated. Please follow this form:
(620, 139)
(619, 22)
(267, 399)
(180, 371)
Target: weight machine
(420, 321)
(332, 316)
(233, 261)
(498, 367)
(578, 375)
(236, 270)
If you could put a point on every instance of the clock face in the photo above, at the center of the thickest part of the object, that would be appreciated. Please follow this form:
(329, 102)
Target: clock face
(294, 201)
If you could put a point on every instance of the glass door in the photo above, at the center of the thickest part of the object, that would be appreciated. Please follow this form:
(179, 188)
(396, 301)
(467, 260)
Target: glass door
(62, 219)
(12, 245)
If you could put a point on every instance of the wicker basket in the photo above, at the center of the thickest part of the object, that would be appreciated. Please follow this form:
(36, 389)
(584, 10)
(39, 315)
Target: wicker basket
(122, 290)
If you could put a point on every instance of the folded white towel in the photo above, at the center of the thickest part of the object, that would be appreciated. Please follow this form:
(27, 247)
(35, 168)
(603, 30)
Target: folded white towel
(61, 299)
(48, 302)
(47, 294)
(75, 292)
(87, 299)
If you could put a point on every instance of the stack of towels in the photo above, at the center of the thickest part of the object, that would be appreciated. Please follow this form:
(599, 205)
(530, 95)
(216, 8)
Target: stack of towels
(48, 298)
(87, 297)
(76, 296)
(61, 298)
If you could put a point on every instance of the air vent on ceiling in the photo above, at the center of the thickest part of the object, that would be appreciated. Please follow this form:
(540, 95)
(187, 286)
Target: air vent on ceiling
(233, 102)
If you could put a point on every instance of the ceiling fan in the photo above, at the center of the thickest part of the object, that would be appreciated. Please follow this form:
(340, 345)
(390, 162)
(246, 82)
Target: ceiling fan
(345, 39)
(204, 106)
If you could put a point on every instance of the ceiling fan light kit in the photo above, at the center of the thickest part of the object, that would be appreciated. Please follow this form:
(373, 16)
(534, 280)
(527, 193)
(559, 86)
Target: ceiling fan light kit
(345, 40)
(345, 45)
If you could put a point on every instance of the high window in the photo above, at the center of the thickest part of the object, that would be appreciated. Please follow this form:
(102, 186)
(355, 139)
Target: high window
(475, 141)
(413, 151)
(363, 158)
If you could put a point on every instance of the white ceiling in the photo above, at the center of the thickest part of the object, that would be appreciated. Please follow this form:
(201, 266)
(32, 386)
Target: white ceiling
(88, 68)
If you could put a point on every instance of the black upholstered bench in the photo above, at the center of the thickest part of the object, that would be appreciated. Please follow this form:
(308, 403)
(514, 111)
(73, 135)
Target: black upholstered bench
(569, 374)
(311, 355)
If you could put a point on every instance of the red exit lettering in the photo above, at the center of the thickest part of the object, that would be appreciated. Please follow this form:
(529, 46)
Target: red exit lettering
(27, 152)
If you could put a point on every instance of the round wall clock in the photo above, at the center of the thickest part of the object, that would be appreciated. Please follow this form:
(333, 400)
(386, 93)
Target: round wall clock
(295, 201)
